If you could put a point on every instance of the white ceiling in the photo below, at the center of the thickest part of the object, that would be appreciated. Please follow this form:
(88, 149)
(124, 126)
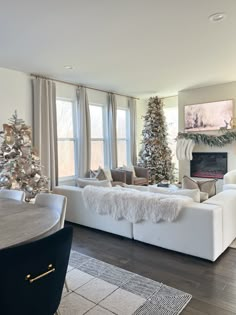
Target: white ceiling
(135, 47)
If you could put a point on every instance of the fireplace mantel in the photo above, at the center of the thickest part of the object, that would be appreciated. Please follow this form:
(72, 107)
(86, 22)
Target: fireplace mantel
(210, 140)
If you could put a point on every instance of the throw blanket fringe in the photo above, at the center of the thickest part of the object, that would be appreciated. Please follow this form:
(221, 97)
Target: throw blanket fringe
(133, 205)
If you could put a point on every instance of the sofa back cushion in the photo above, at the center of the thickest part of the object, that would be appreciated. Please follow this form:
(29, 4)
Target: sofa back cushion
(83, 182)
(192, 193)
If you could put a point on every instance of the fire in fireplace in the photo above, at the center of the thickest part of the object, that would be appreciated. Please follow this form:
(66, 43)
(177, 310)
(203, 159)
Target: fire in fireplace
(208, 164)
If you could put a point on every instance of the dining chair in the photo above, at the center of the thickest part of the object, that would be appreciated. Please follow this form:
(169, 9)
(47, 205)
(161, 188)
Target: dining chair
(12, 194)
(33, 274)
(55, 202)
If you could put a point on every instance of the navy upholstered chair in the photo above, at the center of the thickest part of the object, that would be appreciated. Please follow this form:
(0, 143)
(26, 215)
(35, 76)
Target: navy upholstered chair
(32, 275)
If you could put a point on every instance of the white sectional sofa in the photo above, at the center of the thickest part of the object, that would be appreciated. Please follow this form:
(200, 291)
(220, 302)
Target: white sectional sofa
(202, 229)
(77, 213)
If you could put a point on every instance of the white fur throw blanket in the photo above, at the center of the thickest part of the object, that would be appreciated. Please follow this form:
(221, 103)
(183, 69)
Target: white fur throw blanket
(133, 205)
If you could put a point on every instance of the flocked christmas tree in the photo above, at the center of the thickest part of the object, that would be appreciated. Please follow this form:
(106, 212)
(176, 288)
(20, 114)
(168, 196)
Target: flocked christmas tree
(20, 167)
(155, 153)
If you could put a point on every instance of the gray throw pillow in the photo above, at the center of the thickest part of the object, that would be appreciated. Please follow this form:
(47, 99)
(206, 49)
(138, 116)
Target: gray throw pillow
(189, 183)
(101, 175)
(207, 186)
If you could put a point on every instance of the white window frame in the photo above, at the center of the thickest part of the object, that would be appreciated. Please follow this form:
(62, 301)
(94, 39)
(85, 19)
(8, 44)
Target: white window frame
(127, 139)
(105, 132)
(73, 139)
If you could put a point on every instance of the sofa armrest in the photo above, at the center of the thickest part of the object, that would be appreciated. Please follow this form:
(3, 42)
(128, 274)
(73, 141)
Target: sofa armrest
(118, 176)
(226, 200)
(129, 178)
(141, 172)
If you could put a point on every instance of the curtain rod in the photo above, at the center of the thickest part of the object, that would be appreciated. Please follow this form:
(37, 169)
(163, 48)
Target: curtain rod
(80, 85)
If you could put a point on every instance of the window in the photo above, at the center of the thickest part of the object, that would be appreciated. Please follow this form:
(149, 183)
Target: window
(65, 139)
(122, 136)
(97, 136)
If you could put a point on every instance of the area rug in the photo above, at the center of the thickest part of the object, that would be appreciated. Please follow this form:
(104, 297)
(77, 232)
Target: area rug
(98, 288)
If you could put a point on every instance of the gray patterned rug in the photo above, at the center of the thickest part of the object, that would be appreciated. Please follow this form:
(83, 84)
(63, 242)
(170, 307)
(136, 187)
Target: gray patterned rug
(148, 297)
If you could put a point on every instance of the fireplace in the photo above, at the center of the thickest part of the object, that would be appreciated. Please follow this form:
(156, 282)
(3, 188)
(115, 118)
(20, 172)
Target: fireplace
(208, 164)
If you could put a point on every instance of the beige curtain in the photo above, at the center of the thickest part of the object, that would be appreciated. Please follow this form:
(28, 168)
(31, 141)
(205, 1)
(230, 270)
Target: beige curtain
(45, 127)
(84, 148)
(133, 149)
(112, 137)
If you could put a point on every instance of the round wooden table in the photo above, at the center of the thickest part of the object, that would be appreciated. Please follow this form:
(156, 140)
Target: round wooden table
(21, 222)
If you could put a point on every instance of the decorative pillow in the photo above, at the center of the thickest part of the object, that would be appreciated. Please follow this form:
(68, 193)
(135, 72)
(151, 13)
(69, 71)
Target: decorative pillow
(208, 186)
(82, 182)
(107, 172)
(129, 168)
(93, 174)
(189, 183)
(203, 196)
(192, 193)
(104, 174)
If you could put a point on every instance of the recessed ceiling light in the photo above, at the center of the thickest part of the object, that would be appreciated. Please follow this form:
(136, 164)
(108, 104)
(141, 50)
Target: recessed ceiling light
(68, 67)
(217, 17)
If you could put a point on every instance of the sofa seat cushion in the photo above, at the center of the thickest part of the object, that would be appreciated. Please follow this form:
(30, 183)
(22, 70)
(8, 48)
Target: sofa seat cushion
(140, 181)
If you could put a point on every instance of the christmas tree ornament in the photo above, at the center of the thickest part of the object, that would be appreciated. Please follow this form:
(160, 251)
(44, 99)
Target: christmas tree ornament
(155, 153)
(20, 167)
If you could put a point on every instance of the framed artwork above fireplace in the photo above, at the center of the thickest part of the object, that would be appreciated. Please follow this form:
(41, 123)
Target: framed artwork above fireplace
(208, 116)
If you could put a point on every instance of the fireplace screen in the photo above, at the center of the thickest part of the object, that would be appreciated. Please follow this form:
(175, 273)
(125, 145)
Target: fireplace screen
(208, 165)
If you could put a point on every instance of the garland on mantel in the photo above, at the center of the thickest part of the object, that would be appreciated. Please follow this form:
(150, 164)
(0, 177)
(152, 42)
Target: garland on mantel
(211, 140)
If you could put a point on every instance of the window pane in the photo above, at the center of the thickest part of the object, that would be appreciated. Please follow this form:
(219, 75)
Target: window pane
(121, 123)
(122, 152)
(96, 116)
(66, 158)
(97, 154)
(64, 119)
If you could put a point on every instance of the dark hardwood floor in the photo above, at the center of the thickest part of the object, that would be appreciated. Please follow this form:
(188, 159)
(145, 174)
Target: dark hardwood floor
(212, 285)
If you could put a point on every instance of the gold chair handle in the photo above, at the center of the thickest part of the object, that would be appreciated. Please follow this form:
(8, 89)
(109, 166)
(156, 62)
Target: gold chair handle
(31, 280)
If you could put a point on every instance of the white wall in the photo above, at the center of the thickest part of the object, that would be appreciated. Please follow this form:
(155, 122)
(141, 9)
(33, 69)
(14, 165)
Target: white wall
(15, 94)
(171, 101)
(201, 95)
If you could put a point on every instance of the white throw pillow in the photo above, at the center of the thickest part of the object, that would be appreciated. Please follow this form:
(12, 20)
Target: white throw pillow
(107, 172)
(203, 196)
(192, 193)
(82, 182)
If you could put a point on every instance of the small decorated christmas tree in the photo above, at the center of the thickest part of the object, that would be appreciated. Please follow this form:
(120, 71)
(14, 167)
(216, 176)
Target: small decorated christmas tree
(20, 167)
(155, 153)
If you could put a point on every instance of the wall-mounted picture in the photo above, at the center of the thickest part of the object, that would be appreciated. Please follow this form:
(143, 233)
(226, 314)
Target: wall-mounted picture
(208, 116)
